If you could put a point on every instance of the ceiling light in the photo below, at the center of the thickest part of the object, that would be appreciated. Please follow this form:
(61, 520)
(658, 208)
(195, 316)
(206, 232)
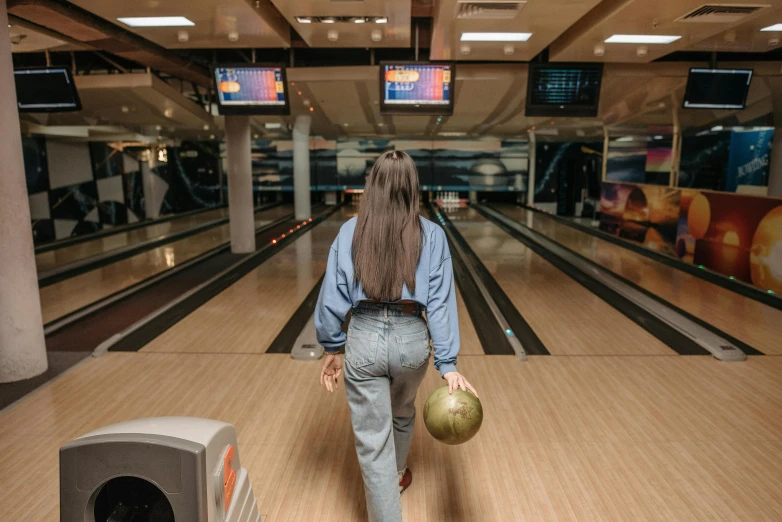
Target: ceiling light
(381, 20)
(327, 20)
(775, 27)
(508, 50)
(495, 37)
(211, 136)
(332, 35)
(158, 127)
(233, 36)
(376, 35)
(304, 19)
(359, 20)
(642, 39)
(717, 128)
(465, 49)
(182, 36)
(168, 113)
(156, 21)
(625, 138)
(125, 109)
(642, 51)
(272, 125)
(206, 126)
(599, 50)
(255, 136)
(658, 137)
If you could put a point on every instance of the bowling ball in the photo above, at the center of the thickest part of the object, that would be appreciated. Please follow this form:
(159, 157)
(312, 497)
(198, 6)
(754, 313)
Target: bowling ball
(453, 419)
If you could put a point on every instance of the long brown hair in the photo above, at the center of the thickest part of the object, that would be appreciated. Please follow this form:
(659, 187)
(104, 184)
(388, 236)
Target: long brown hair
(388, 237)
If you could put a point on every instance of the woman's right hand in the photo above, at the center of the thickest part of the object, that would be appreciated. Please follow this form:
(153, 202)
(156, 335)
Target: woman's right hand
(456, 380)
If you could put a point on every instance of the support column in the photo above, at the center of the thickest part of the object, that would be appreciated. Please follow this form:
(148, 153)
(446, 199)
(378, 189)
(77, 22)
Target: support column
(301, 167)
(775, 166)
(676, 147)
(605, 153)
(22, 347)
(151, 186)
(532, 163)
(775, 163)
(240, 184)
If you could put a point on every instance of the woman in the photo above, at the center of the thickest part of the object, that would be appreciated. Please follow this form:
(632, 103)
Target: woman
(390, 266)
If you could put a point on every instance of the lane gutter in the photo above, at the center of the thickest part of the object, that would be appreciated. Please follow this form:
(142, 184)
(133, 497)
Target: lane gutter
(679, 332)
(142, 332)
(734, 285)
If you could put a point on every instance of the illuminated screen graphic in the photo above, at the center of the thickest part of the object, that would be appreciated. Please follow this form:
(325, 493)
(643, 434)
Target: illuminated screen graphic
(563, 90)
(411, 85)
(250, 86)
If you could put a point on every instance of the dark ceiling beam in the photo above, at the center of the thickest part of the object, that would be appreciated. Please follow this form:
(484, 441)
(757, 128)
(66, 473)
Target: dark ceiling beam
(272, 18)
(78, 24)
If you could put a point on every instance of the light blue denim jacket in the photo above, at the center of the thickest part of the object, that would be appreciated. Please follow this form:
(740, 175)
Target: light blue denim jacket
(434, 290)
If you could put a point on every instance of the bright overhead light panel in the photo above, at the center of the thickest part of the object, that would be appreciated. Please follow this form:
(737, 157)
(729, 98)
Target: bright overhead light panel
(495, 37)
(156, 21)
(642, 38)
(775, 27)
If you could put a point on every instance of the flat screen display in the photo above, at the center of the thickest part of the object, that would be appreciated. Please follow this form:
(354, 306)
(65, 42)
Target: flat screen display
(417, 88)
(717, 88)
(46, 90)
(249, 89)
(564, 90)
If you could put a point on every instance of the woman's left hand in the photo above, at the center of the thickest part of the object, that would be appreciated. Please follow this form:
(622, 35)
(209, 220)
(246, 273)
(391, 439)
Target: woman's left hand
(332, 369)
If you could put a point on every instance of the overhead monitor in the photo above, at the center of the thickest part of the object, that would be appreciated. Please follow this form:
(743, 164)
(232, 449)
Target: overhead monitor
(417, 88)
(717, 88)
(251, 89)
(563, 90)
(48, 89)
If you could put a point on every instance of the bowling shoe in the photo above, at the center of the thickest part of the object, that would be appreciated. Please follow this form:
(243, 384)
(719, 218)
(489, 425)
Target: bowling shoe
(405, 479)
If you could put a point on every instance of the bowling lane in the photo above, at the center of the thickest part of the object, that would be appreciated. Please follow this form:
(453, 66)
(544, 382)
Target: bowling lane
(568, 318)
(248, 316)
(745, 319)
(46, 261)
(74, 293)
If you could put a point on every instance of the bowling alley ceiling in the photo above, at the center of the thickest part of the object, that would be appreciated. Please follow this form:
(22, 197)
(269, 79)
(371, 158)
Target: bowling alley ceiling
(333, 47)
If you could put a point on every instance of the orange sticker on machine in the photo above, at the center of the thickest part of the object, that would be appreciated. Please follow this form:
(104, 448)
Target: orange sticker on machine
(229, 483)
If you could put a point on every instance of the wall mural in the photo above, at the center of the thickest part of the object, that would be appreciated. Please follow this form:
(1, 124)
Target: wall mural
(490, 165)
(192, 176)
(736, 235)
(704, 161)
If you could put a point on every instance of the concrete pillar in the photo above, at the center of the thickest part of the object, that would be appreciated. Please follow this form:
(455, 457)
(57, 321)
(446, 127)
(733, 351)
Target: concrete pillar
(301, 167)
(673, 177)
(605, 153)
(775, 164)
(22, 346)
(151, 186)
(532, 154)
(240, 184)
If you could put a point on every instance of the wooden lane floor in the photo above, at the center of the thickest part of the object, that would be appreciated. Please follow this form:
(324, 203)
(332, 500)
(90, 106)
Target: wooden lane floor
(563, 438)
(748, 320)
(249, 315)
(52, 259)
(76, 292)
(568, 318)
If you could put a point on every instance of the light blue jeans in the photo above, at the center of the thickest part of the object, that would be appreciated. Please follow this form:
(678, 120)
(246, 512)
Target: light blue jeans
(385, 361)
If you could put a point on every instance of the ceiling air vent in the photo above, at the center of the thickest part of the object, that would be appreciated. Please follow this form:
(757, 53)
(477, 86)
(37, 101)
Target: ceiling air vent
(491, 10)
(724, 14)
